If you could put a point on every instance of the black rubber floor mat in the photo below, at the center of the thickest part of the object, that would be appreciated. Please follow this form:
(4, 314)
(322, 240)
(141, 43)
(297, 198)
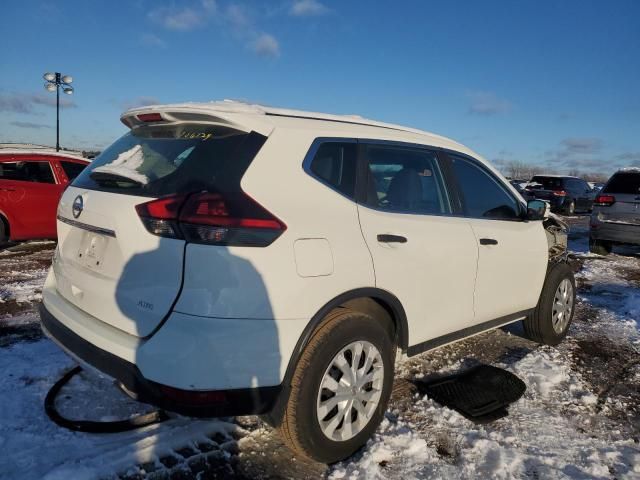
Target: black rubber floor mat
(481, 393)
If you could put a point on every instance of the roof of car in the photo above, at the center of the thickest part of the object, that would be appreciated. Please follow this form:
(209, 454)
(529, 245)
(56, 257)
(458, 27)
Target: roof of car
(27, 149)
(629, 170)
(555, 176)
(264, 118)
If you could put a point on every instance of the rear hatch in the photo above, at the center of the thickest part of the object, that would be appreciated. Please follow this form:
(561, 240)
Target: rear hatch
(121, 242)
(619, 200)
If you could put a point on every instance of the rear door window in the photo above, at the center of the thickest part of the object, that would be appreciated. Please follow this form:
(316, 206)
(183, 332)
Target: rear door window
(624, 183)
(72, 169)
(335, 164)
(27, 171)
(405, 180)
(483, 195)
(160, 160)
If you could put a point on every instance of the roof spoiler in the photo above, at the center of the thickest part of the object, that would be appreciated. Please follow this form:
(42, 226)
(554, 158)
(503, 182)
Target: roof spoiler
(168, 115)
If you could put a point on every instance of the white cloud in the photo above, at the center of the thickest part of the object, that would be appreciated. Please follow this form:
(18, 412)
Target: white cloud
(138, 102)
(36, 126)
(184, 18)
(25, 102)
(586, 145)
(235, 18)
(487, 103)
(266, 45)
(151, 40)
(307, 8)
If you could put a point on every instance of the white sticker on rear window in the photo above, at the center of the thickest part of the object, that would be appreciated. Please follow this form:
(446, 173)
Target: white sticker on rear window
(204, 136)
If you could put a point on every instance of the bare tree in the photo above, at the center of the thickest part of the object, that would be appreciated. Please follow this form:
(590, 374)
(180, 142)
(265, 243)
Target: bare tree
(516, 170)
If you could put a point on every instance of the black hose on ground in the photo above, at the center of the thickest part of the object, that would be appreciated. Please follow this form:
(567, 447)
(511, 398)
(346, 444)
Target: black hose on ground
(89, 426)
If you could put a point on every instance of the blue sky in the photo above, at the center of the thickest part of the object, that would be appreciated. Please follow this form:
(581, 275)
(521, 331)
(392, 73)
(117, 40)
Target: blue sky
(555, 82)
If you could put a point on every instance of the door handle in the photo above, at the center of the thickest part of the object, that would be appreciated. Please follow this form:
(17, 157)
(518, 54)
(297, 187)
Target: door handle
(387, 238)
(488, 241)
(8, 189)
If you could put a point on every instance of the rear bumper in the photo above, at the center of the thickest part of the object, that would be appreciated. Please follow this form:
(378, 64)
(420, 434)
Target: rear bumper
(616, 232)
(244, 401)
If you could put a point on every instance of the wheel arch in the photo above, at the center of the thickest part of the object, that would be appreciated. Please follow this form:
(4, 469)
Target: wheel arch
(5, 221)
(373, 301)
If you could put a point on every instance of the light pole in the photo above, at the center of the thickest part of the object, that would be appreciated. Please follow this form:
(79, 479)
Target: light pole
(53, 82)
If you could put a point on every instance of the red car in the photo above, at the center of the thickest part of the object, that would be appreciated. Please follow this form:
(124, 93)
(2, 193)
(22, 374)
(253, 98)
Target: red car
(31, 184)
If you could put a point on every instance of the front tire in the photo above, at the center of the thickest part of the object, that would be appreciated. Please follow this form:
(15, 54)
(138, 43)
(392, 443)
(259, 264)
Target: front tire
(4, 238)
(550, 320)
(571, 208)
(599, 247)
(341, 386)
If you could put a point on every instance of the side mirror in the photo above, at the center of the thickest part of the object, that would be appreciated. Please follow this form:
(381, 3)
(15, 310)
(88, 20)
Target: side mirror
(537, 210)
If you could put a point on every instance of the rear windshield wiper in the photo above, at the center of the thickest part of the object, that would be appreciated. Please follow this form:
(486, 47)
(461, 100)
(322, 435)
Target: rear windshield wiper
(115, 179)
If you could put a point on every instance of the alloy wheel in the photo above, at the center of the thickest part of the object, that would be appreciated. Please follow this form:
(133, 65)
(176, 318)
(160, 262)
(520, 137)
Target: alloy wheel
(562, 306)
(350, 391)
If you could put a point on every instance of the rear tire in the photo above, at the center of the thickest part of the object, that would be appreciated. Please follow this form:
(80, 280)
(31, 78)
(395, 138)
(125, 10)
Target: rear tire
(550, 320)
(322, 375)
(4, 237)
(599, 247)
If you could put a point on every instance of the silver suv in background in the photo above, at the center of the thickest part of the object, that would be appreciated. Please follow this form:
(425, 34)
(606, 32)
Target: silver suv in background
(616, 212)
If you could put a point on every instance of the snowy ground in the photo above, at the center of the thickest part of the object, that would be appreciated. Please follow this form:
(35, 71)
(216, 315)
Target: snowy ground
(579, 418)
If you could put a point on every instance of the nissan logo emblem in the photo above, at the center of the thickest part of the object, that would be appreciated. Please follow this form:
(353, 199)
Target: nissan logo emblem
(78, 205)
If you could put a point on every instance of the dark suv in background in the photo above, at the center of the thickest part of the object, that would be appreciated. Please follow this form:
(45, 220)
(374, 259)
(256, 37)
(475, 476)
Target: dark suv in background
(565, 194)
(616, 213)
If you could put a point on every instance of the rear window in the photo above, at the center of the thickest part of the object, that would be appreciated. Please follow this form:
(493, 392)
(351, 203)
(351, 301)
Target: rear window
(72, 169)
(548, 183)
(623, 182)
(162, 160)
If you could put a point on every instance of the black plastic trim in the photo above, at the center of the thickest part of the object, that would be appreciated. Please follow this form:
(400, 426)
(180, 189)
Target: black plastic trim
(334, 120)
(84, 226)
(465, 332)
(242, 401)
(389, 299)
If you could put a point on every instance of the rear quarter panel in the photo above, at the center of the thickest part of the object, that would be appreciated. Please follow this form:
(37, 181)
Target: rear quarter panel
(266, 282)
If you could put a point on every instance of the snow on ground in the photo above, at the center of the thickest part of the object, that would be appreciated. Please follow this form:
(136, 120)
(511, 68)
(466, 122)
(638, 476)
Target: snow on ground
(23, 269)
(579, 418)
(34, 447)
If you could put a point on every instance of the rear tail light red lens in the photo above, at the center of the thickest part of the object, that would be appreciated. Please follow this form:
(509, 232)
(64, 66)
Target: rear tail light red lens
(150, 117)
(604, 200)
(231, 219)
(560, 193)
(160, 217)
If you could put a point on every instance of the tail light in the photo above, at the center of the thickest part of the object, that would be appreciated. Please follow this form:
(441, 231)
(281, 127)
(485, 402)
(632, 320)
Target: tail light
(230, 219)
(160, 216)
(150, 117)
(604, 200)
(560, 193)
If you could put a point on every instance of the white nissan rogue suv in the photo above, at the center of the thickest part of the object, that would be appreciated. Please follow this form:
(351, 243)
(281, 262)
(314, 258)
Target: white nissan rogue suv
(227, 259)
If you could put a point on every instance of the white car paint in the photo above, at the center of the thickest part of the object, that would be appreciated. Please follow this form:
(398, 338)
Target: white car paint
(240, 311)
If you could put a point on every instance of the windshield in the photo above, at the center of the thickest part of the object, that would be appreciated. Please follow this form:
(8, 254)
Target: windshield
(156, 161)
